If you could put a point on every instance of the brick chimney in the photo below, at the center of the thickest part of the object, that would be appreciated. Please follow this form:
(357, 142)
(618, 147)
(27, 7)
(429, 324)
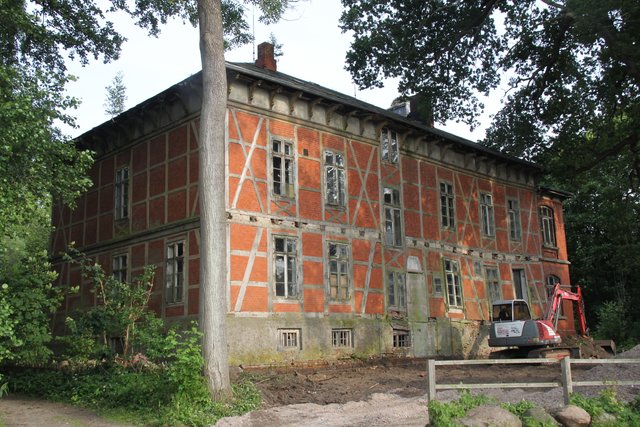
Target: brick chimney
(266, 59)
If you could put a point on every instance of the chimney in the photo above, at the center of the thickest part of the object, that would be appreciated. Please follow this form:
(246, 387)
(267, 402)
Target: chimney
(266, 59)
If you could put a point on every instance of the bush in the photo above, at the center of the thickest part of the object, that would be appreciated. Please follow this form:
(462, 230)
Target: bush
(613, 323)
(628, 415)
(444, 414)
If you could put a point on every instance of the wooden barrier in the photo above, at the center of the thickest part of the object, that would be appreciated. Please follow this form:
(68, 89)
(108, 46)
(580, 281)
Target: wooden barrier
(566, 381)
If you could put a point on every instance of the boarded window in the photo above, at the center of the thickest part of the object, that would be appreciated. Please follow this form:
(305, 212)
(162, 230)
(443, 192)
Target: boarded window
(396, 290)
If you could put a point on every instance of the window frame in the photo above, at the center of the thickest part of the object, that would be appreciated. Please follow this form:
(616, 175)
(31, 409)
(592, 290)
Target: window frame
(174, 294)
(283, 339)
(121, 193)
(513, 216)
(342, 338)
(487, 217)
(396, 287)
(336, 196)
(453, 283)
(287, 161)
(119, 269)
(342, 262)
(389, 146)
(392, 207)
(547, 226)
(447, 205)
(488, 271)
(401, 338)
(287, 255)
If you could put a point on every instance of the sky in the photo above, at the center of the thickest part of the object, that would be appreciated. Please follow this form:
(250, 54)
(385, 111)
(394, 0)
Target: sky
(314, 49)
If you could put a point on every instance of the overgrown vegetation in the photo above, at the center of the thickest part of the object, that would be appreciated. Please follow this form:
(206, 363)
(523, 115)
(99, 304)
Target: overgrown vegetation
(118, 356)
(626, 414)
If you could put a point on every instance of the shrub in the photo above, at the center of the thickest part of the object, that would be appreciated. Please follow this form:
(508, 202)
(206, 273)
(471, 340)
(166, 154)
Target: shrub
(444, 414)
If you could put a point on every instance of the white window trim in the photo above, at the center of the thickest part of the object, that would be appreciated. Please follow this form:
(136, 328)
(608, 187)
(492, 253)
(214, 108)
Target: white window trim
(344, 260)
(340, 189)
(286, 254)
(447, 205)
(287, 191)
(487, 215)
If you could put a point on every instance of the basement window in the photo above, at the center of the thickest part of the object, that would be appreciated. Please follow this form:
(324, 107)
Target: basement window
(342, 337)
(401, 339)
(289, 339)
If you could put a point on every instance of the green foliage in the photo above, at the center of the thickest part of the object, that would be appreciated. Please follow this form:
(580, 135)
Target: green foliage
(444, 414)
(116, 96)
(616, 322)
(627, 415)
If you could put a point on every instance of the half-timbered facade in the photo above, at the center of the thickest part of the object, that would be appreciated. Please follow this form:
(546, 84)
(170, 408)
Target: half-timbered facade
(352, 229)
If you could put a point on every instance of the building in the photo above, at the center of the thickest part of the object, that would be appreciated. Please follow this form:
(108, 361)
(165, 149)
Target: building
(352, 230)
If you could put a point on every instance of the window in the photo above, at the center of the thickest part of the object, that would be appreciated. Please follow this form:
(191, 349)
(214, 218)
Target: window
(551, 282)
(389, 145)
(122, 193)
(454, 289)
(392, 221)
(119, 267)
(515, 229)
(175, 273)
(342, 337)
(334, 178)
(492, 279)
(338, 271)
(548, 226)
(486, 214)
(396, 290)
(289, 339)
(282, 161)
(437, 285)
(285, 267)
(401, 338)
(447, 212)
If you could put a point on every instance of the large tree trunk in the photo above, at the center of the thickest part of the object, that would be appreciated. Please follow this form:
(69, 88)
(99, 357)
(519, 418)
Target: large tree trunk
(213, 241)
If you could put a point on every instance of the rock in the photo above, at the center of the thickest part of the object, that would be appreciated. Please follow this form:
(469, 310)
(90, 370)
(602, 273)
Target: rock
(573, 416)
(605, 419)
(541, 416)
(490, 415)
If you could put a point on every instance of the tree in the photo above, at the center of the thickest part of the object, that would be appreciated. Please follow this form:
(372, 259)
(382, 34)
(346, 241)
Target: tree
(38, 35)
(573, 68)
(116, 96)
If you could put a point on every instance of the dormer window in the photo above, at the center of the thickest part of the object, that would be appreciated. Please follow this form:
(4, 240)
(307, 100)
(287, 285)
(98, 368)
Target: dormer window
(389, 145)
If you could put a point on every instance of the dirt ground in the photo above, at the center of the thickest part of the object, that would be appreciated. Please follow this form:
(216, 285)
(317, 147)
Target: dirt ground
(392, 392)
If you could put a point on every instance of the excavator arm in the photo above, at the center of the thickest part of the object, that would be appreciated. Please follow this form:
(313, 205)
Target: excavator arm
(552, 312)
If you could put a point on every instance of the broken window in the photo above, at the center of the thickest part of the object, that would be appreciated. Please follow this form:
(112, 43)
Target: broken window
(548, 226)
(175, 273)
(119, 267)
(289, 339)
(454, 288)
(122, 193)
(285, 268)
(334, 178)
(447, 212)
(515, 229)
(282, 160)
(342, 337)
(396, 290)
(492, 280)
(392, 220)
(389, 145)
(338, 271)
(401, 338)
(486, 214)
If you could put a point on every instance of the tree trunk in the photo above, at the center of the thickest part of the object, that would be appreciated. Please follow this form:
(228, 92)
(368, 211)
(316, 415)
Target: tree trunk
(213, 235)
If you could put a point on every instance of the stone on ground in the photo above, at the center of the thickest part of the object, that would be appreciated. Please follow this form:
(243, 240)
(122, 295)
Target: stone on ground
(573, 416)
(490, 416)
(540, 415)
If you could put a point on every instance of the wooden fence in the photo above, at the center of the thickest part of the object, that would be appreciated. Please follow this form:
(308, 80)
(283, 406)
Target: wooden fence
(565, 382)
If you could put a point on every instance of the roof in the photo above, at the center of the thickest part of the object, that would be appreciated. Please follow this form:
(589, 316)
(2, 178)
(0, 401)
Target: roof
(312, 90)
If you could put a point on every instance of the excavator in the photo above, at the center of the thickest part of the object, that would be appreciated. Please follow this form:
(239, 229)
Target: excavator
(513, 327)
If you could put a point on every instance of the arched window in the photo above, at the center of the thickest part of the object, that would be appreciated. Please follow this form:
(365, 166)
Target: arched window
(548, 226)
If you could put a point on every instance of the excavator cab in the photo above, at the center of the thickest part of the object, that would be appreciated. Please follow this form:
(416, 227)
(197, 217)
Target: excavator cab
(510, 310)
